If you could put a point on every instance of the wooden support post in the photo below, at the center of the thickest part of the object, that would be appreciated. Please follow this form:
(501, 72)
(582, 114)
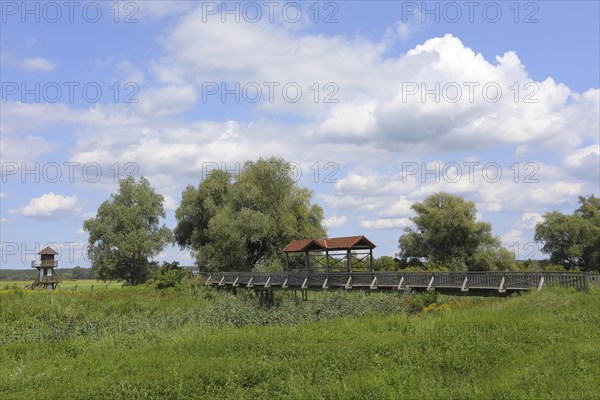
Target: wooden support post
(221, 282)
(349, 283)
(541, 284)
(285, 284)
(465, 287)
(501, 289)
(268, 282)
(327, 262)
(250, 284)
(207, 280)
(325, 286)
(401, 284)
(236, 282)
(371, 259)
(305, 283)
(431, 281)
(373, 283)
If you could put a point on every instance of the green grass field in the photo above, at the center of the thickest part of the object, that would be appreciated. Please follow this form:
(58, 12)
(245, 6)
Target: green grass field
(140, 343)
(80, 284)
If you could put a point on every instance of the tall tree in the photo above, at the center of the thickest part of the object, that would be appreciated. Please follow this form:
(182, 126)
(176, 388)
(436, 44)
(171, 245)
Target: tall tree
(237, 224)
(126, 232)
(573, 241)
(447, 234)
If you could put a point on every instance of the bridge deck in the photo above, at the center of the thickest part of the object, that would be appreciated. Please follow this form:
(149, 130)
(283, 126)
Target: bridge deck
(462, 282)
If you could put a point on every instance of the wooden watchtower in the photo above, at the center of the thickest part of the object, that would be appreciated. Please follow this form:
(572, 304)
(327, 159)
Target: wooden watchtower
(48, 278)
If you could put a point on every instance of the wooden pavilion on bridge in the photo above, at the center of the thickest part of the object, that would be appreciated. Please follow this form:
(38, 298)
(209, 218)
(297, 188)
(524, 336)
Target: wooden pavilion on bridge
(330, 255)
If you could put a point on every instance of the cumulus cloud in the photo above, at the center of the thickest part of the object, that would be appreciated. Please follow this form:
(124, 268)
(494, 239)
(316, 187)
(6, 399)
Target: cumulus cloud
(585, 162)
(132, 73)
(530, 219)
(513, 238)
(49, 206)
(335, 221)
(167, 100)
(400, 207)
(475, 102)
(386, 223)
(38, 64)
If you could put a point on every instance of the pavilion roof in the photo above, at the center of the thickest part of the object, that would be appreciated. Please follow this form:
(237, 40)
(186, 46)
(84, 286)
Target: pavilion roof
(337, 243)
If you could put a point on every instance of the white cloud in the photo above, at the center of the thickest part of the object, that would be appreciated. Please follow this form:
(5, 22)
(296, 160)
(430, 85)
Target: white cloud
(530, 219)
(131, 73)
(386, 223)
(168, 100)
(49, 205)
(400, 207)
(38, 64)
(349, 202)
(335, 221)
(513, 236)
(353, 119)
(400, 30)
(585, 162)
(373, 89)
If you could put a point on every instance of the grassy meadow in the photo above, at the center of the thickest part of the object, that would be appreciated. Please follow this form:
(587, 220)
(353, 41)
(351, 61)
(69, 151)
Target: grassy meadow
(199, 343)
(79, 284)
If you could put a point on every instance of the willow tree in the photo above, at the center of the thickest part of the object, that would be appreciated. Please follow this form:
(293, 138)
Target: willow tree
(573, 241)
(126, 232)
(448, 235)
(238, 223)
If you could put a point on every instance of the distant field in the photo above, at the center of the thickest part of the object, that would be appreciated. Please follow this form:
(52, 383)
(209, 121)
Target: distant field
(81, 284)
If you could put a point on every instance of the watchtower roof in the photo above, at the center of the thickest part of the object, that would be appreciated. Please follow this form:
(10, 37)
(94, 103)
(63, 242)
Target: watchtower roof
(48, 250)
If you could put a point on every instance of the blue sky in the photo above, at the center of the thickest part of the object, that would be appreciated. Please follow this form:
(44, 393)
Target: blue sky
(497, 102)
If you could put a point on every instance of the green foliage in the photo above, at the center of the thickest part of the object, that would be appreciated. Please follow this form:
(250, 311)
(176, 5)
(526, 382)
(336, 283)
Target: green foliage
(237, 225)
(126, 232)
(553, 268)
(573, 240)
(169, 275)
(142, 343)
(385, 263)
(447, 234)
(493, 258)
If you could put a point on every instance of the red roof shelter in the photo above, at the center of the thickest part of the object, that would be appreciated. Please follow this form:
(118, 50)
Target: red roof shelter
(346, 248)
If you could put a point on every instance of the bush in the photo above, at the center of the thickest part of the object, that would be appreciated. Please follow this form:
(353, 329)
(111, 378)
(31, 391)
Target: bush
(169, 275)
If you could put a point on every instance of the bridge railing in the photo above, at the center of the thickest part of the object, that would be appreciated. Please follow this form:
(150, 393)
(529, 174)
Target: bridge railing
(399, 280)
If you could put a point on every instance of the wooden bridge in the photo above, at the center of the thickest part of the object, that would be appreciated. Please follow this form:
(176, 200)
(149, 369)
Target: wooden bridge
(476, 283)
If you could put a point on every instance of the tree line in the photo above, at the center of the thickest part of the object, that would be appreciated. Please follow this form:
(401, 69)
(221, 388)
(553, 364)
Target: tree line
(242, 223)
(31, 274)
